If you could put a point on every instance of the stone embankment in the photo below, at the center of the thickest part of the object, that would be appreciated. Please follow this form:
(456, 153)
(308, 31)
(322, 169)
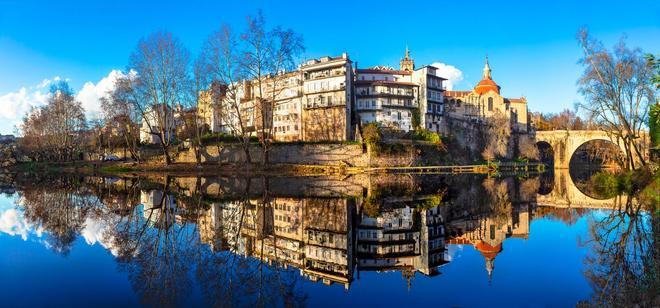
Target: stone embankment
(321, 154)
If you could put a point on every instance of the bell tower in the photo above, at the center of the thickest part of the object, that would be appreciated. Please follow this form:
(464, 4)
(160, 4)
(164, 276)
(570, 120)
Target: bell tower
(487, 71)
(407, 63)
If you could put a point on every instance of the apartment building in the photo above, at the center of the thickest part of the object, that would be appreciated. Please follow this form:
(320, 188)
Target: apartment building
(431, 97)
(327, 99)
(400, 99)
(386, 96)
(160, 116)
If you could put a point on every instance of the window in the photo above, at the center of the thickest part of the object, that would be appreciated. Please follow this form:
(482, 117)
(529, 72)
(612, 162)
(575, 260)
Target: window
(492, 232)
(490, 104)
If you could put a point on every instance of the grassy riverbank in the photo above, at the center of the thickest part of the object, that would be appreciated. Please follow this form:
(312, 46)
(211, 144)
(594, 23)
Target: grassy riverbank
(110, 168)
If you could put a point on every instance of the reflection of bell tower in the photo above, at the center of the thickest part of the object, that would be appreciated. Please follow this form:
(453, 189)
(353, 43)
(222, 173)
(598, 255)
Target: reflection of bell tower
(489, 252)
(407, 63)
(408, 275)
(489, 268)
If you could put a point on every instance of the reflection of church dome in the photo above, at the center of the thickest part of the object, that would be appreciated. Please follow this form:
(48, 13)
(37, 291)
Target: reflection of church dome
(488, 251)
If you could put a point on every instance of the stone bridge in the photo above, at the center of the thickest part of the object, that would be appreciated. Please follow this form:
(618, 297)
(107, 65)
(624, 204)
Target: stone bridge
(565, 194)
(564, 143)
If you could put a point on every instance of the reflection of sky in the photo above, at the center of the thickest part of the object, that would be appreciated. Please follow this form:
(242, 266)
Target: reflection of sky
(13, 223)
(34, 275)
(12, 220)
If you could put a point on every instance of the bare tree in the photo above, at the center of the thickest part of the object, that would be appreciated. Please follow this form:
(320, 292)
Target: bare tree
(56, 130)
(220, 62)
(268, 54)
(527, 148)
(121, 116)
(617, 88)
(497, 133)
(162, 83)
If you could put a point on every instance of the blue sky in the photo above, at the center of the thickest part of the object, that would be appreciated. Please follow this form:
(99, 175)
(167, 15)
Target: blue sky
(531, 46)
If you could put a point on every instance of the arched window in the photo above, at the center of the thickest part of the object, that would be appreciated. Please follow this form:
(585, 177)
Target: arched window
(490, 104)
(458, 103)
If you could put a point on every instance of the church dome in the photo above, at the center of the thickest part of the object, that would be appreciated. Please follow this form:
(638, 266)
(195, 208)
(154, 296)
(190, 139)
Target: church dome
(487, 84)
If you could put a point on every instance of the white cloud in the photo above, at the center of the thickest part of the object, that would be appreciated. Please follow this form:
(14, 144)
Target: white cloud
(90, 95)
(453, 75)
(14, 105)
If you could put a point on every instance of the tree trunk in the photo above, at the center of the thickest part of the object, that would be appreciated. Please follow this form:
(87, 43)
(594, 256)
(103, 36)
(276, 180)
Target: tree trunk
(248, 157)
(166, 153)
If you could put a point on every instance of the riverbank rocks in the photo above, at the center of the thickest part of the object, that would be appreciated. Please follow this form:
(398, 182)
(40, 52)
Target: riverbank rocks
(7, 151)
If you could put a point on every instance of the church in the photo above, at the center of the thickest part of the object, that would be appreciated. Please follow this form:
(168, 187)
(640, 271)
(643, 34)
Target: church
(485, 101)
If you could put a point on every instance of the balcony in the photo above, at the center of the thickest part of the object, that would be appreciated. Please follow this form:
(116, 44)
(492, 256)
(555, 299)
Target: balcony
(324, 104)
(340, 87)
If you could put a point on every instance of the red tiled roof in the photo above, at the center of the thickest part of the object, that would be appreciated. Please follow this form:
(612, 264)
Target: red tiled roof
(486, 85)
(517, 100)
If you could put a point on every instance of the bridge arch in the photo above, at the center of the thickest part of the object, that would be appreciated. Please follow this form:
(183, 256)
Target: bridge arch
(565, 193)
(565, 142)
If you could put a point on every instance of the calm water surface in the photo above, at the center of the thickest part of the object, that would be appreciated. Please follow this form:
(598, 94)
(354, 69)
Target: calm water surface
(372, 241)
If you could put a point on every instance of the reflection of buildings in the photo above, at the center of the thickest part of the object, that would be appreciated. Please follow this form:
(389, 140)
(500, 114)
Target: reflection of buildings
(313, 235)
(317, 236)
(486, 233)
(326, 241)
(159, 208)
(402, 238)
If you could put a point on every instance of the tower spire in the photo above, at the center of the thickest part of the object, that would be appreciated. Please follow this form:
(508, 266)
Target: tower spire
(487, 70)
(407, 63)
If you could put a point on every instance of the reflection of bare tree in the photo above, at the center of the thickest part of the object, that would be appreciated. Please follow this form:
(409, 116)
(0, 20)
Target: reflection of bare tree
(623, 266)
(155, 250)
(499, 197)
(61, 212)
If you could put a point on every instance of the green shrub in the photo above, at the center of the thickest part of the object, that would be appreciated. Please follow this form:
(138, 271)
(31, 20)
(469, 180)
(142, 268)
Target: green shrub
(427, 135)
(605, 184)
(650, 195)
(371, 134)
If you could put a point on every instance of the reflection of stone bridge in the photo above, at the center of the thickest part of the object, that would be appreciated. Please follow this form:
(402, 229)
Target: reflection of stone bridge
(566, 194)
(564, 143)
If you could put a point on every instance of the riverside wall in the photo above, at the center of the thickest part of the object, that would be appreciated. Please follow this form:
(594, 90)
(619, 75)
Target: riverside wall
(333, 154)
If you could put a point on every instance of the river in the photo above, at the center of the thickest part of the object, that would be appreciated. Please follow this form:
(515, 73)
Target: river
(387, 240)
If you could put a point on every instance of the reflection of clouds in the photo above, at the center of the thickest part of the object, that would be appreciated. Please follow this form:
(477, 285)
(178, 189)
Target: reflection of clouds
(96, 231)
(12, 222)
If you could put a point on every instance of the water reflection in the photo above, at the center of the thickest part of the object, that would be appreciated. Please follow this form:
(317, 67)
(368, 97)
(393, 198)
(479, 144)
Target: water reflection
(259, 241)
